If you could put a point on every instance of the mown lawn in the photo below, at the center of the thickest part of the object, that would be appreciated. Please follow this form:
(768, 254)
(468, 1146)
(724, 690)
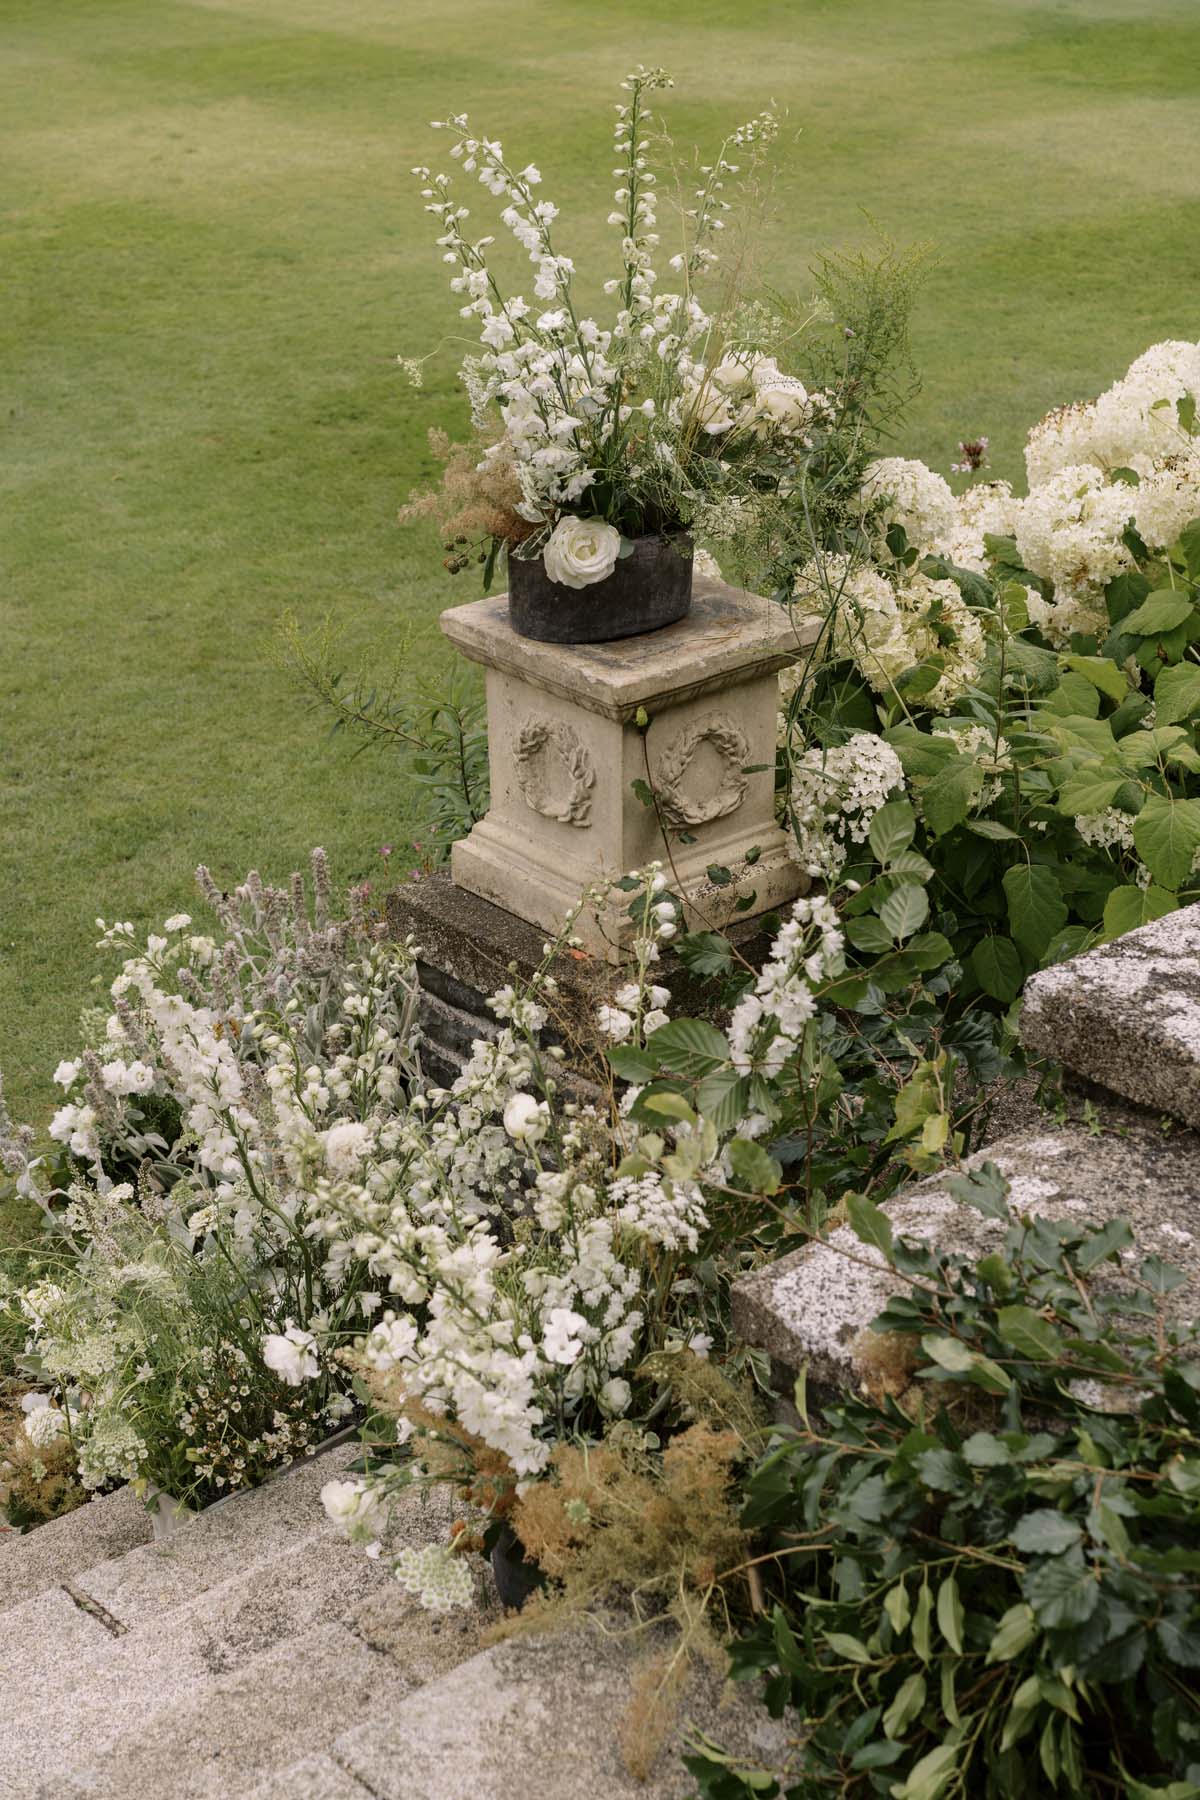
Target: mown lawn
(213, 251)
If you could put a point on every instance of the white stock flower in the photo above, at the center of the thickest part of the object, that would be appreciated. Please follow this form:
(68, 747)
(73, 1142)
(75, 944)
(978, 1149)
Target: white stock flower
(292, 1355)
(560, 1338)
(580, 552)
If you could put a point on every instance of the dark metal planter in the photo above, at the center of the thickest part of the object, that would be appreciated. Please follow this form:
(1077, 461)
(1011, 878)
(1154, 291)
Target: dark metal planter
(516, 1577)
(647, 590)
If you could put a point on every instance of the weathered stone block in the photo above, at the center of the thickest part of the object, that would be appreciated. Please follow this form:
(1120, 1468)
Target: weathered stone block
(468, 946)
(1128, 1014)
(810, 1309)
(565, 749)
(543, 1717)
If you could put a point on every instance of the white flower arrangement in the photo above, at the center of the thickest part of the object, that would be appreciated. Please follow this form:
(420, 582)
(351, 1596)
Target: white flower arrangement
(608, 431)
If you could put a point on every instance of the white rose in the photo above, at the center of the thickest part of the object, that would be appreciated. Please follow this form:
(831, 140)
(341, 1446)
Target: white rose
(581, 551)
(525, 1119)
(292, 1355)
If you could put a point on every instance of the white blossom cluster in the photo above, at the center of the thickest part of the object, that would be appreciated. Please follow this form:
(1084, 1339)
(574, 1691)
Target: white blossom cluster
(638, 1006)
(768, 1024)
(835, 793)
(889, 623)
(901, 491)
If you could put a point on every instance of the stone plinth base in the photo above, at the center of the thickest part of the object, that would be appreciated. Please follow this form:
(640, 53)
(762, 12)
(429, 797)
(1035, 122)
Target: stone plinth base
(468, 948)
(605, 757)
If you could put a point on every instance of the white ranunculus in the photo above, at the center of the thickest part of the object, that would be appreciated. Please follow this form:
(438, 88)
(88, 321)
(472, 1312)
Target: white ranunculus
(525, 1119)
(581, 551)
(292, 1355)
(780, 402)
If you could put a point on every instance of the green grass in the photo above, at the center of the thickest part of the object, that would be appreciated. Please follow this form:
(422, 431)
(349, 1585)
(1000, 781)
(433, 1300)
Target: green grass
(213, 251)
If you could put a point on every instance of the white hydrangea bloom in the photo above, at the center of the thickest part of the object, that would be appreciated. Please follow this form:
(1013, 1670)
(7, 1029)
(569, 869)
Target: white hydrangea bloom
(989, 508)
(887, 627)
(1167, 499)
(914, 496)
(1069, 529)
(990, 752)
(1137, 420)
(1066, 438)
(1107, 830)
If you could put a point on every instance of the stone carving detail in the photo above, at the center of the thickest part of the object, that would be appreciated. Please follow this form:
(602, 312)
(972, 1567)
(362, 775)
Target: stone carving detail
(539, 744)
(682, 802)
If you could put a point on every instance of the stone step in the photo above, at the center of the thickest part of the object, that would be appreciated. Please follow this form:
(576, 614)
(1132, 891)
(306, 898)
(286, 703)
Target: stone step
(57, 1551)
(115, 1686)
(811, 1310)
(316, 1778)
(251, 1527)
(239, 1728)
(54, 1635)
(1127, 1016)
(544, 1717)
(121, 1675)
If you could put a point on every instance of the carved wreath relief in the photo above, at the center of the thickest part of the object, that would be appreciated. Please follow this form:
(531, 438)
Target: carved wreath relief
(687, 792)
(555, 772)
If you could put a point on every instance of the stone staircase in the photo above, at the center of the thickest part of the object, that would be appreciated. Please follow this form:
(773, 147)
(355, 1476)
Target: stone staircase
(1124, 1020)
(255, 1655)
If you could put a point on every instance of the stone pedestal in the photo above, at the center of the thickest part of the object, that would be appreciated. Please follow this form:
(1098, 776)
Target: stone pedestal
(566, 748)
